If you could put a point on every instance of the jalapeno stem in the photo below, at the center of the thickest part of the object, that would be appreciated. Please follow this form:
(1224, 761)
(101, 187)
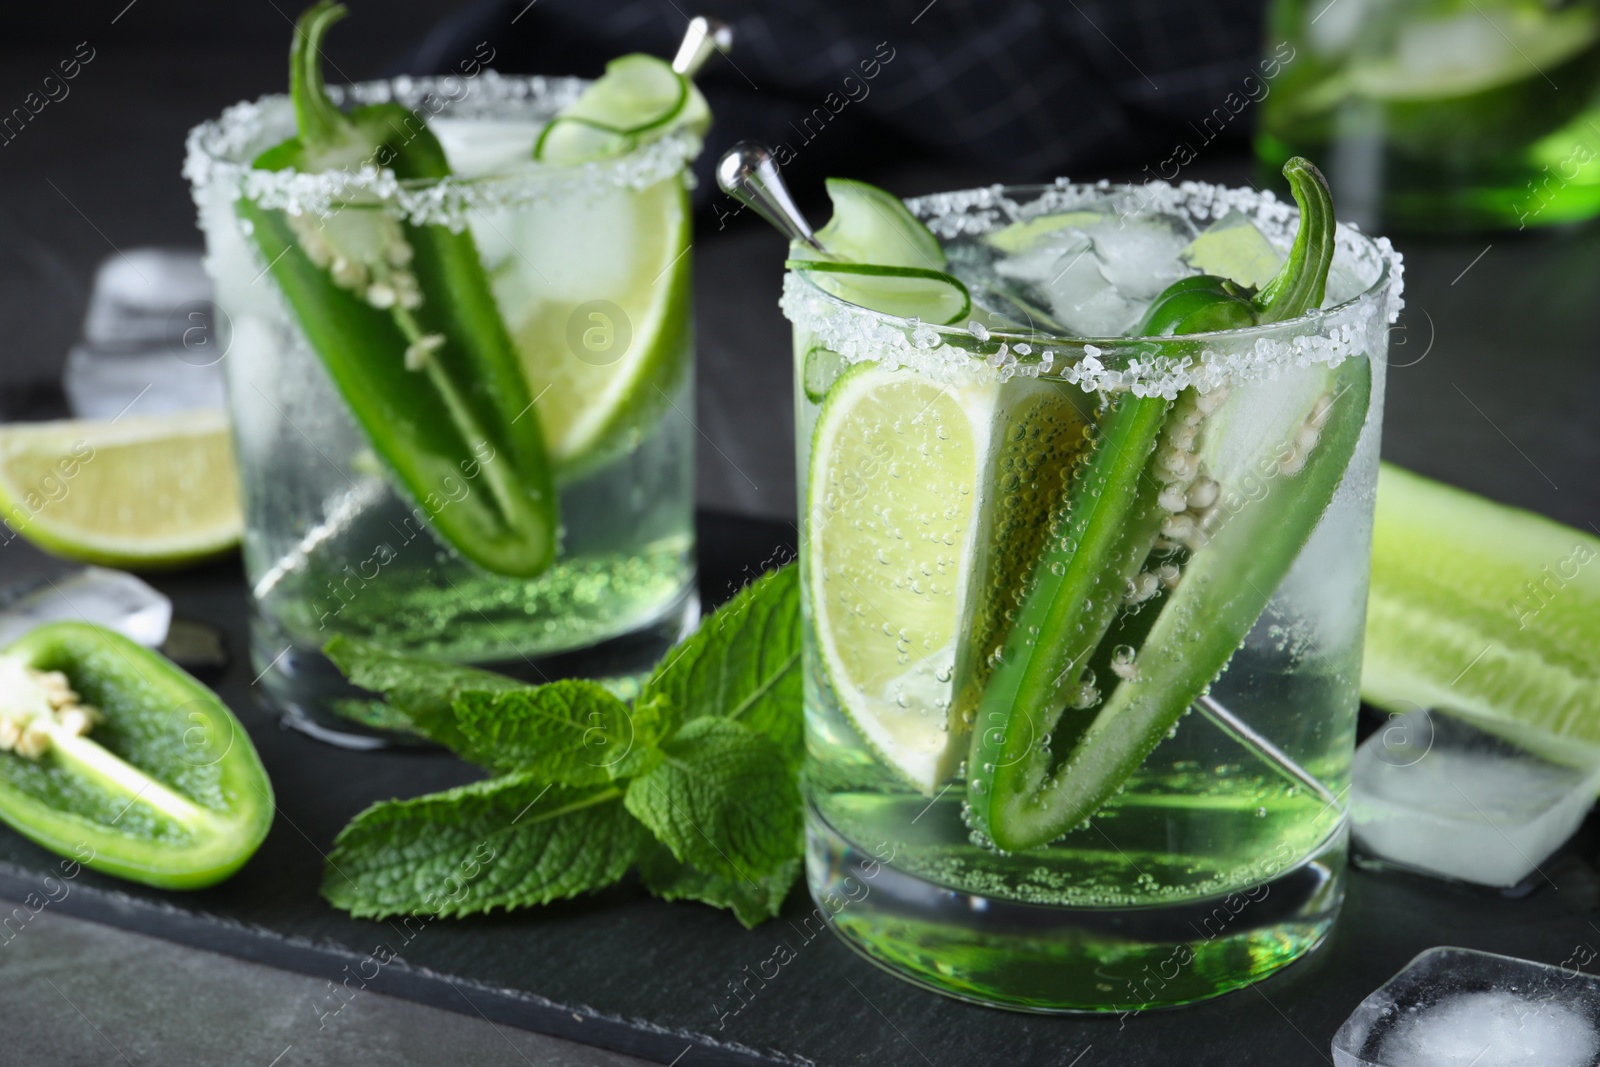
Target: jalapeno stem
(318, 120)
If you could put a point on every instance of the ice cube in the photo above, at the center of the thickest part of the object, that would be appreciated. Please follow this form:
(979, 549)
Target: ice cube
(477, 147)
(1139, 255)
(135, 293)
(1232, 247)
(114, 599)
(1067, 276)
(1085, 300)
(1438, 795)
(1455, 1007)
(151, 338)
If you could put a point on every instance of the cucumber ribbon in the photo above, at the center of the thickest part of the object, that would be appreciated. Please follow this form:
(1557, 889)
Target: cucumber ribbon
(1049, 748)
(404, 319)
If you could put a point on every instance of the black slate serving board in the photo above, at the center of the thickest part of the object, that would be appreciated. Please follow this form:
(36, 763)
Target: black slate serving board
(625, 972)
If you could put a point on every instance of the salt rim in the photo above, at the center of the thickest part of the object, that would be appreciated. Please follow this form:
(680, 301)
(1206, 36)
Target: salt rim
(1325, 335)
(220, 151)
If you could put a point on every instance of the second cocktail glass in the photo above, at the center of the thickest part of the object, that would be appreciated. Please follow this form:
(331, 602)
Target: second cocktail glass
(362, 519)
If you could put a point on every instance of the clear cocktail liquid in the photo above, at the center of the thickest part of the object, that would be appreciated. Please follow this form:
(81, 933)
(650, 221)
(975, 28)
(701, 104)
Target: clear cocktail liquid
(1437, 115)
(1221, 859)
(333, 547)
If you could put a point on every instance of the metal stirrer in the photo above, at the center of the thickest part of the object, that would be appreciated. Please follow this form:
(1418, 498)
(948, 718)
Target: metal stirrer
(703, 37)
(749, 174)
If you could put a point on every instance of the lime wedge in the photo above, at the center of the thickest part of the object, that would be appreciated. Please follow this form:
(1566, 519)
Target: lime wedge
(638, 96)
(1482, 610)
(597, 298)
(1233, 248)
(151, 492)
(1024, 234)
(894, 451)
(907, 545)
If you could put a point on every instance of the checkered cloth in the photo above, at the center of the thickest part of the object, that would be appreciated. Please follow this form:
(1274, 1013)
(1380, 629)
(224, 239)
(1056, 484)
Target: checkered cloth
(1026, 89)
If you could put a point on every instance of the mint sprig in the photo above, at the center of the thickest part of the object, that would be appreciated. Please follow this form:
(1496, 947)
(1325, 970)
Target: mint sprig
(722, 800)
(501, 843)
(695, 782)
(572, 731)
(743, 663)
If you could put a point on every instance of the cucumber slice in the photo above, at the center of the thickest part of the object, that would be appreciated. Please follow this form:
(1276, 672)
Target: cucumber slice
(820, 369)
(1484, 611)
(870, 225)
(638, 96)
(908, 292)
(167, 791)
(880, 256)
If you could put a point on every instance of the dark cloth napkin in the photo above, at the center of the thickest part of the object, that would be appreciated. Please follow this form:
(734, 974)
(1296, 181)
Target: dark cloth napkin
(1025, 89)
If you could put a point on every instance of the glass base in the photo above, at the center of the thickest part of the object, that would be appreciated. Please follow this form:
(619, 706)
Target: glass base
(1036, 958)
(301, 683)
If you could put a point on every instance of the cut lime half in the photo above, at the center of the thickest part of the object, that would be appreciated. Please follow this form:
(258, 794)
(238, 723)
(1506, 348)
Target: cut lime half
(138, 492)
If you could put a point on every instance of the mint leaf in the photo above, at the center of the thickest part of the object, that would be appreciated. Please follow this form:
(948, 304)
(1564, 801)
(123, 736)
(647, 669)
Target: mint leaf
(419, 691)
(743, 663)
(571, 731)
(503, 843)
(723, 799)
(753, 902)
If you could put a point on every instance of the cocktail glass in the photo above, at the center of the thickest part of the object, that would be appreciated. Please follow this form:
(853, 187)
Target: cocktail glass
(1437, 115)
(1215, 714)
(591, 275)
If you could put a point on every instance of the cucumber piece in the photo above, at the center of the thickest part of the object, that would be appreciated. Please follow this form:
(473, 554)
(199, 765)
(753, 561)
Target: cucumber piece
(167, 790)
(820, 369)
(638, 97)
(908, 292)
(1483, 611)
(870, 225)
(880, 256)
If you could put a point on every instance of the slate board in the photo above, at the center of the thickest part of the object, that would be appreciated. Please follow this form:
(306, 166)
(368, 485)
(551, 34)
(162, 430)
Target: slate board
(1493, 386)
(625, 972)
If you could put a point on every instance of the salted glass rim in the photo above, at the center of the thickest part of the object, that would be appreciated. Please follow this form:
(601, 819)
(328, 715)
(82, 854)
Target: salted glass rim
(1152, 365)
(220, 150)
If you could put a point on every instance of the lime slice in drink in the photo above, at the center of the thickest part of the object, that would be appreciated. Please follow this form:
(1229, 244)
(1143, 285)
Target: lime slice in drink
(1473, 51)
(908, 541)
(894, 498)
(595, 289)
(1233, 248)
(1484, 611)
(1024, 234)
(149, 492)
(596, 295)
